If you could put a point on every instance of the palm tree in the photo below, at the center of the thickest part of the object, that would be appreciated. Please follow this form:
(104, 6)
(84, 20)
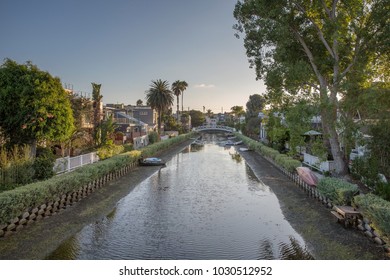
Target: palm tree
(177, 89)
(160, 98)
(183, 87)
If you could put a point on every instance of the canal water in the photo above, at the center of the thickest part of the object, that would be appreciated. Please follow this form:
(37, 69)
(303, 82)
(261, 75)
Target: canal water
(205, 204)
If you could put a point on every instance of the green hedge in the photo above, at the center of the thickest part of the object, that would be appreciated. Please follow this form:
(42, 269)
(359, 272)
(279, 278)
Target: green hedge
(282, 160)
(15, 202)
(339, 191)
(377, 210)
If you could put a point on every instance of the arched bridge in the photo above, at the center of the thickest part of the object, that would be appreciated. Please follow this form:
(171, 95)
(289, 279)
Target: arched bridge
(214, 128)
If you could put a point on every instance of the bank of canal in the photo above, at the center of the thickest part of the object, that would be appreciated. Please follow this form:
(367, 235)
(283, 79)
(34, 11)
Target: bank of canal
(325, 238)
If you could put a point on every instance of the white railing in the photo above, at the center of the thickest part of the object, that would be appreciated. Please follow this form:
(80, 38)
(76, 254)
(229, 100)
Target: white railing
(214, 127)
(313, 161)
(67, 164)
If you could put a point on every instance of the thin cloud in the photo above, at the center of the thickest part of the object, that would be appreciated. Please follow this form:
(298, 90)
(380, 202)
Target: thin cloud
(204, 86)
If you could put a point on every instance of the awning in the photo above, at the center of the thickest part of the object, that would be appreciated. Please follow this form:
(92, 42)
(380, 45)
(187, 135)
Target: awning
(312, 132)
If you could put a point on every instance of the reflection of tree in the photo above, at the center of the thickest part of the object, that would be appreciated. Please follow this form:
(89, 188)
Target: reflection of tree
(236, 157)
(196, 148)
(294, 251)
(266, 252)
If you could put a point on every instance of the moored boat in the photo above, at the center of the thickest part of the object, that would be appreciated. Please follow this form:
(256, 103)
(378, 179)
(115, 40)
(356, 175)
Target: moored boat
(152, 161)
(307, 176)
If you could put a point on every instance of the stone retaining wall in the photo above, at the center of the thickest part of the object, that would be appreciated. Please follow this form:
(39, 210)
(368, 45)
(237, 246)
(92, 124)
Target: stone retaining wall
(51, 208)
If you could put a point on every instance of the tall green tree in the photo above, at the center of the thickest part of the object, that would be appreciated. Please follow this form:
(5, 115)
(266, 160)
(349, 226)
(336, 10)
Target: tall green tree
(197, 118)
(97, 100)
(176, 90)
(183, 86)
(33, 105)
(238, 111)
(254, 105)
(160, 98)
(309, 47)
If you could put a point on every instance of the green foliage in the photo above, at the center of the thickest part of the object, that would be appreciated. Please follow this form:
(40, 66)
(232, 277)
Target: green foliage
(300, 50)
(383, 190)
(287, 162)
(197, 118)
(153, 137)
(277, 132)
(379, 145)
(283, 160)
(366, 169)
(104, 132)
(43, 164)
(160, 98)
(377, 210)
(15, 202)
(33, 105)
(339, 191)
(16, 167)
(254, 105)
(108, 151)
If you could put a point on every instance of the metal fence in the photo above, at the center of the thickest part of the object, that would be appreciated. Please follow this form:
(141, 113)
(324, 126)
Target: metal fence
(67, 164)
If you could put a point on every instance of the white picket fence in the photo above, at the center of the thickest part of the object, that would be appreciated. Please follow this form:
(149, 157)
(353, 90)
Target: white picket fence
(313, 161)
(67, 164)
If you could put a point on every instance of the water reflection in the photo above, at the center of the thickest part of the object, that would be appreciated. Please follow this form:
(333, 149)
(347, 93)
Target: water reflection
(206, 204)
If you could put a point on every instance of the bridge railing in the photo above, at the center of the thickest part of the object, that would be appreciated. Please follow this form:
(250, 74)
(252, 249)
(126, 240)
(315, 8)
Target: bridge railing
(214, 127)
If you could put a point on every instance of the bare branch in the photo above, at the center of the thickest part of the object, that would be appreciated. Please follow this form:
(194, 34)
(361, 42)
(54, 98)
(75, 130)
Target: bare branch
(320, 33)
(325, 7)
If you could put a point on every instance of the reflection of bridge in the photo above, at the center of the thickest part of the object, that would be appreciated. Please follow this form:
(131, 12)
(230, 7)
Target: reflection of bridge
(214, 128)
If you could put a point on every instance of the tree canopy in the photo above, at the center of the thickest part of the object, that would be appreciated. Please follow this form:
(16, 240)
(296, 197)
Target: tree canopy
(33, 105)
(315, 49)
(159, 97)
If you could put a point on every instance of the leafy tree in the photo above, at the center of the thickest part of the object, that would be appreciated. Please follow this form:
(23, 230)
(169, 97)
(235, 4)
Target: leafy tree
(197, 118)
(171, 123)
(160, 98)
(277, 131)
(254, 105)
(97, 99)
(139, 102)
(105, 132)
(33, 105)
(298, 121)
(310, 47)
(238, 111)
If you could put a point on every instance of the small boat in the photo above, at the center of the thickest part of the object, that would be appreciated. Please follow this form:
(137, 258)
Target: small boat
(198, 143)
(232, 143)
(152, 161)
(307, 176)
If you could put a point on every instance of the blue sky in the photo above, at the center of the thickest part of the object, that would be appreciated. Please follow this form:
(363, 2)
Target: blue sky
(125, 44)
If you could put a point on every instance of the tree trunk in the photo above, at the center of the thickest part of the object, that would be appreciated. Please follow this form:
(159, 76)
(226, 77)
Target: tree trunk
(182, 104)
(159, 123)
(33, 147)
(329, 119)
(178, 108)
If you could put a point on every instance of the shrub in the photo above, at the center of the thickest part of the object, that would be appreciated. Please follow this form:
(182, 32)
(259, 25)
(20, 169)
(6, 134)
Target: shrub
(153, 137)
(16, 201)
(339, 191)
(43, 164)
(109, 151)
(383, 190)
(377, 210)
